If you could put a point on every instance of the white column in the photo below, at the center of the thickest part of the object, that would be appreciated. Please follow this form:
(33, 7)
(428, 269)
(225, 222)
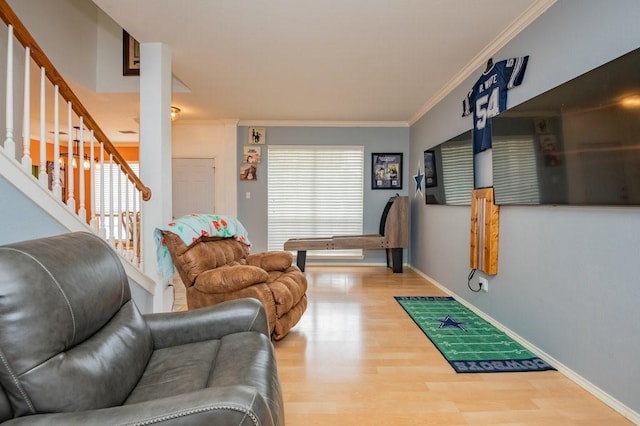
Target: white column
(155, 156)
(226, 172)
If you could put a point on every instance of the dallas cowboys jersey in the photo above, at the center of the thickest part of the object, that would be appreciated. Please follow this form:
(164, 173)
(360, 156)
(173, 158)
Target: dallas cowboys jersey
(488, 97)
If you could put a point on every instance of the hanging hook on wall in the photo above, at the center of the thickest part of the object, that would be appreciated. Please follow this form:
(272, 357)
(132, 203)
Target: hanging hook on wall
(489, 64)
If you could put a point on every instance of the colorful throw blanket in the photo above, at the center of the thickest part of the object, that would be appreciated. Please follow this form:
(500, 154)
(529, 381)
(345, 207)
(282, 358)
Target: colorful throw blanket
(190, 228)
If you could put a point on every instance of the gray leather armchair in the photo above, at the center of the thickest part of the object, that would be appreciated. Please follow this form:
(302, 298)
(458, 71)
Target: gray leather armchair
(75, 350)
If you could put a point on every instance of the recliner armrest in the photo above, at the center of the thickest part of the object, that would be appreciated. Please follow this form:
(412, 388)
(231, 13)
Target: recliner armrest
(212, 322)
(238, 405)
(271, 260)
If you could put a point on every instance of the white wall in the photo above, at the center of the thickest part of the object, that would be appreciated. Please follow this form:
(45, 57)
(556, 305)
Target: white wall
(69, 23)
(216, 139)
(566, 275)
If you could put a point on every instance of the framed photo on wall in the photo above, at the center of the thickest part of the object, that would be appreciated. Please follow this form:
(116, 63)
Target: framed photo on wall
(430, 174)
(257, 135)
(386, 170)
(130, 55)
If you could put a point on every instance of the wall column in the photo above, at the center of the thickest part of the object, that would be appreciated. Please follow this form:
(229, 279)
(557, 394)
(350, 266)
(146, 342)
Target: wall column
(155, 156)
(228, 176)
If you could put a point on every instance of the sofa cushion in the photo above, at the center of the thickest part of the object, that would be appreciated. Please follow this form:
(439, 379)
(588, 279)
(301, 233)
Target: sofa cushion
(176, 370)
(242, 359)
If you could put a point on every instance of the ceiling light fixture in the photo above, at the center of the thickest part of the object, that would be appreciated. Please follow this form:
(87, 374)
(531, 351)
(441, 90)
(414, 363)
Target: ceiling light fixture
(174, 113)
(75, 152)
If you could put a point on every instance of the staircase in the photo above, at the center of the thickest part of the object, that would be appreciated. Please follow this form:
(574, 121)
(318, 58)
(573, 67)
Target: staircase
(69, 177)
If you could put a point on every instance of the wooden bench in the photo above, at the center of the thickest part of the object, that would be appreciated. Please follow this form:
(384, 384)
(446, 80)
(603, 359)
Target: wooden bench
(393, 237)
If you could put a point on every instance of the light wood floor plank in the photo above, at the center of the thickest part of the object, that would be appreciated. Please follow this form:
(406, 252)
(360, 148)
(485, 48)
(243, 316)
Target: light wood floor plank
(357, 358)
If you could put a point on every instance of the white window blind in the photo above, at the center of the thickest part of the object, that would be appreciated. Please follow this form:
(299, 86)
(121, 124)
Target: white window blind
(457, 172)
(314, 191)
(515, 157)
(123, 195)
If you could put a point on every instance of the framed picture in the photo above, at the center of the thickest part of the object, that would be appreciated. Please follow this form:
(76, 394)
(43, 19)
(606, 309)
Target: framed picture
(257, 135)
(251, 154)
(386, 171)
(248, 171)
(130, 55)
(430, 173)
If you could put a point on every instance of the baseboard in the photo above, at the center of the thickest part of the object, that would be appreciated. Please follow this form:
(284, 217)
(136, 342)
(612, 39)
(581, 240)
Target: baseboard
(572, 375)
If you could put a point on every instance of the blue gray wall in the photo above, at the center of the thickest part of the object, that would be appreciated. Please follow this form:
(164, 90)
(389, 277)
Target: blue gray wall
(252, 212)
(567, 276)
(22, 219)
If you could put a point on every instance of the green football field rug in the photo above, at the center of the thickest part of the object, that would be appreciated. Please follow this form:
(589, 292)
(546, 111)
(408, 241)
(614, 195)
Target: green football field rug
(468, 342)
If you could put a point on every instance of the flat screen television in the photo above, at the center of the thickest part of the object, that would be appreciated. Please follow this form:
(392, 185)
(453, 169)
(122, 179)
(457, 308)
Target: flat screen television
(448, 170)
(576, 144)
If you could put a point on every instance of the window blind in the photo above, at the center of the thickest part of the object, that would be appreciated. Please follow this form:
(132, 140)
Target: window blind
(314, 191)
(457, 161)
(123, 196)
(516, 157)
(120, 200)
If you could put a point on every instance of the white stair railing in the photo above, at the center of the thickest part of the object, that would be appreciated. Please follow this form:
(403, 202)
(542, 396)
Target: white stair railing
(71, 176)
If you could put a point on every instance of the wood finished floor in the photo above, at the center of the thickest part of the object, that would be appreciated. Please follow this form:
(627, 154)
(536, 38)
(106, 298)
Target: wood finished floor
(356, 358)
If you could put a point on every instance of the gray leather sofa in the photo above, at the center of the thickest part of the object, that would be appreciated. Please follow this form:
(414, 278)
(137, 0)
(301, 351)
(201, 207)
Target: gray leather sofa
(75, 350)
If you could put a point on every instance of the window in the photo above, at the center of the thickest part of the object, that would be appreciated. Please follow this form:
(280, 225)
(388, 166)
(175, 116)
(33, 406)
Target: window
(125, 198)
(314, 191)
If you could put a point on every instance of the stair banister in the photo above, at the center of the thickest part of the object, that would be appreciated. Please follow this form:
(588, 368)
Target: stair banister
(19, 31)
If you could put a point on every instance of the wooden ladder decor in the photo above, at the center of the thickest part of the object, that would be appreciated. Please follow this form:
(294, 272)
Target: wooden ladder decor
(484, 231)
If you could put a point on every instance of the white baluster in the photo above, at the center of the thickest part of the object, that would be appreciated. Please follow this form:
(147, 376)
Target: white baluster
(103, 222)
(43, 177)
(119, 210)
(111, 211)
(9, 143)
(71, 202)
(27, 162)
(57, 187)
(93, 223)
(137, 242)
(127, 231)
(82, 211)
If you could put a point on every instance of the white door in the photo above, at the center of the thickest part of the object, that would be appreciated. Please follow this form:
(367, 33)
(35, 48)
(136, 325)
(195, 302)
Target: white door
(193, 185)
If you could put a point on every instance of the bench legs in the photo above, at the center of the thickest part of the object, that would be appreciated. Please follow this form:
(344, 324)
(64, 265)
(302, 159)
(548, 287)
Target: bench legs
(301, 259)
(394, 259)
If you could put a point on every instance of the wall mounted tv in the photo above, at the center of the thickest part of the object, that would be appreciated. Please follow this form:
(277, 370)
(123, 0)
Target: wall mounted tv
(451, 162)
(577, 144)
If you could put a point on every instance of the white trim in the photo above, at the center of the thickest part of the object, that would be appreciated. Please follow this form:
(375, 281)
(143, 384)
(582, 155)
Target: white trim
(295, 123)
(523, 21)
(571, 375)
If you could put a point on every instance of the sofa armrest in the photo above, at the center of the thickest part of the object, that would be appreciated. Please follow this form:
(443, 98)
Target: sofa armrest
(271, 260)
(227, 279)
(238, 405)
(212, 322)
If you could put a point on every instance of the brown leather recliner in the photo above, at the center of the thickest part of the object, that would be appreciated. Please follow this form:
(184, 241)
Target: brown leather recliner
(216, 269)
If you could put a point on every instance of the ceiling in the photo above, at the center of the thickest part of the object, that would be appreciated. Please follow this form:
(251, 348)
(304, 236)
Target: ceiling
(348, 61)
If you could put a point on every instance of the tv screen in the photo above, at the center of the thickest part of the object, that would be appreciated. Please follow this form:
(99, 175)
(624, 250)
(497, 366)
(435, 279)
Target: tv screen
(448, 170)
(577, 144)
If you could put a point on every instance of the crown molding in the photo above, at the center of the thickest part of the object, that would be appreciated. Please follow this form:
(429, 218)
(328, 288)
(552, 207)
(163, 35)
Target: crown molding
(524, 20)
(298, 123)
